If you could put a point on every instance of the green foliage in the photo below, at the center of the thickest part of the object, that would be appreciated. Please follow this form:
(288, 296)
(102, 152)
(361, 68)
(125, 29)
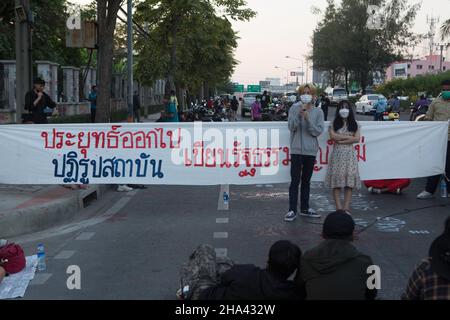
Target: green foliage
(189, 41)
(412, 87)
(49, 37)
(345, 46)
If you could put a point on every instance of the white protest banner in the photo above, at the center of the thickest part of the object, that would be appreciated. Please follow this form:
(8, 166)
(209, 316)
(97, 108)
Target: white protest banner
(204, 153)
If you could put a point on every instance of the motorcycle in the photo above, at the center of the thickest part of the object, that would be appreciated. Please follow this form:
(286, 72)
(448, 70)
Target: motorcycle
(419, 113)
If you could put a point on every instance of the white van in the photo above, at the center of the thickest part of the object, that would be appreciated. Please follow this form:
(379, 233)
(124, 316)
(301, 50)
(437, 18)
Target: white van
(336, 95)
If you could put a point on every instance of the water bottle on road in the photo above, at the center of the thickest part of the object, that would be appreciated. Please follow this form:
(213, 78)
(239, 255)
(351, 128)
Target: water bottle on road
(444, 191)
(226, 198)
(41, 266)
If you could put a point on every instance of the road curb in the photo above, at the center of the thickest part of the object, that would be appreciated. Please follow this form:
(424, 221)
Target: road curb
(24, 220)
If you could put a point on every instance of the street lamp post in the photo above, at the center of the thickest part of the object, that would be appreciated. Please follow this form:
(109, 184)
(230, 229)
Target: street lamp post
(303, 70)
(287, 74)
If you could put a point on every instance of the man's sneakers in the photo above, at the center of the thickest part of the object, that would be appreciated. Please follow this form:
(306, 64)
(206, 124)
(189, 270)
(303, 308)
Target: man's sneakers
(290, 216)
(374, 190)
(425, 195)
(124, 188)
(310, 213)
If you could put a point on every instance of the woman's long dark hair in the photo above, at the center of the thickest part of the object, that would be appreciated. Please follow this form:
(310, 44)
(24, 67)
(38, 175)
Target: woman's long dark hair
(338, 122)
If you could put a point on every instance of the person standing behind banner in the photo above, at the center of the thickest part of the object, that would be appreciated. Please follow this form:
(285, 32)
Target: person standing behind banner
(39, 103)
(343, 172)
(439, 110)
(93, 99)
(234, 108)
(257, 109)
(171, 113)
(324, 104)
(305, 124)
(136, 107)
(174, 99)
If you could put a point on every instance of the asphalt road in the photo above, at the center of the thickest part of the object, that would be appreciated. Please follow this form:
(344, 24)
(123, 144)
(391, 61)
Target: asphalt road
(133, 245)
(135, 249)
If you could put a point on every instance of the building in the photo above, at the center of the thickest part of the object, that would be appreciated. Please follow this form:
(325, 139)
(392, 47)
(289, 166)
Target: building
(276, 82)
(320, 78)
(412, 68)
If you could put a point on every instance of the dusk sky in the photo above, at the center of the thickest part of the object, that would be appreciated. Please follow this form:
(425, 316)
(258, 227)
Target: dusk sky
(284, 28)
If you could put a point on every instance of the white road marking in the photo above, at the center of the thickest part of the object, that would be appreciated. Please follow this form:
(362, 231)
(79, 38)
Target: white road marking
(220, 205)
(222, 220)
(66, 254)
(419, 232)
(220, 235)
(40, 278)
(121, 203)
(221, 252)
(85, 236)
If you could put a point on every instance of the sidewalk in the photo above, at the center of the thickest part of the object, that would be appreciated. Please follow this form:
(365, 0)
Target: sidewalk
(30, 208)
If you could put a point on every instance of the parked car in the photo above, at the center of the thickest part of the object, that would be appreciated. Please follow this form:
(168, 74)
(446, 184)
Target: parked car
(248, 99)
(366, 103)
(336, 95)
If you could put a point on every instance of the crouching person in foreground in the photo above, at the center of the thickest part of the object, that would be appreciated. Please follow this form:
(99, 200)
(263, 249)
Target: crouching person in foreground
(335, 269)
(224, 281)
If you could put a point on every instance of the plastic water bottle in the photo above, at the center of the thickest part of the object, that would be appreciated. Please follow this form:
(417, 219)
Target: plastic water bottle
(226, 198)
(444, 192)
(41, 266)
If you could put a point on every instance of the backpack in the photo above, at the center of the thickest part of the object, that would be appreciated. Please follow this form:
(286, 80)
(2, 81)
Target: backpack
(12, 258)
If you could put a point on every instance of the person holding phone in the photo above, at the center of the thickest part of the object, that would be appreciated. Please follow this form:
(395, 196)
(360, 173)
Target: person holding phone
(306, 124)
(37, 102)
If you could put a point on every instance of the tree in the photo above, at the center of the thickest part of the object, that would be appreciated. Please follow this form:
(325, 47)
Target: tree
(167, 21)
(358, 50)
(107, 11)
(445, 29)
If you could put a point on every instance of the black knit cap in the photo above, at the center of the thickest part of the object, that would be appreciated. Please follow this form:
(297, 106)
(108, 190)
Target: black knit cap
(338, 224)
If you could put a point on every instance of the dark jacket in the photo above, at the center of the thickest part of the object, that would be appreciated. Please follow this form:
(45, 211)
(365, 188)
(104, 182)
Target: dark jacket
(37, 112)
(335, 270)
(248, 282)
(136, 102)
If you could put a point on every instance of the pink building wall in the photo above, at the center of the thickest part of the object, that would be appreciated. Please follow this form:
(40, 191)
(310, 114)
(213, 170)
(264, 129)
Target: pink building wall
(428, 65)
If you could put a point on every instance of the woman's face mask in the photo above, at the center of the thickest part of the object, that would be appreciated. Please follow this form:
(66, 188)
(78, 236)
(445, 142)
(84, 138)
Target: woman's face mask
(306, 98)
(344, 113)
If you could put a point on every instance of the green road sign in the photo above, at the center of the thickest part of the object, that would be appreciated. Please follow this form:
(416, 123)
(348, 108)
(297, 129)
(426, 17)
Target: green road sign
(254, 88)
(239, 88)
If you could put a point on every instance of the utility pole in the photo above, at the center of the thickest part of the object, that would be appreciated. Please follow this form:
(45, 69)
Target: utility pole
(432, 21)
(24, 70)
(442, 46)
(130, 60)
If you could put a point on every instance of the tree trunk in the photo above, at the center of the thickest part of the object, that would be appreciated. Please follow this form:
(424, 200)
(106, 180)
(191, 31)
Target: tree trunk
(173, 57)
(346, 81)
(107, 15)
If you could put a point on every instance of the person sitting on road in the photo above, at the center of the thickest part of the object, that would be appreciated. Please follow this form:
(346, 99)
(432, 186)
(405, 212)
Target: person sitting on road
(335, 269)
(248, 282)
(395, 186)
(431, 279)
(3, 243)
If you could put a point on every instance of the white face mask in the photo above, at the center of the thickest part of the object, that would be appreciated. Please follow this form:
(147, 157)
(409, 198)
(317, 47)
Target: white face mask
(344, 113)
(306, 98)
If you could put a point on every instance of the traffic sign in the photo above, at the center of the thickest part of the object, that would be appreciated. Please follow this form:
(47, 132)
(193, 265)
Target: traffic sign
(254, 88)
(239, 88)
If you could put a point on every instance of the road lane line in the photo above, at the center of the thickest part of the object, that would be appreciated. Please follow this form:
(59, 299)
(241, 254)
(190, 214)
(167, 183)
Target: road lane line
(222, 220)
(40, 278)
(221, 252)
(220, 235)
(66, 254)
(84, 236)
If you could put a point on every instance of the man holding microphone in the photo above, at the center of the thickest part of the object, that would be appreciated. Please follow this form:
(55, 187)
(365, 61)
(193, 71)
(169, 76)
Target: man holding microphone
(305, 124)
